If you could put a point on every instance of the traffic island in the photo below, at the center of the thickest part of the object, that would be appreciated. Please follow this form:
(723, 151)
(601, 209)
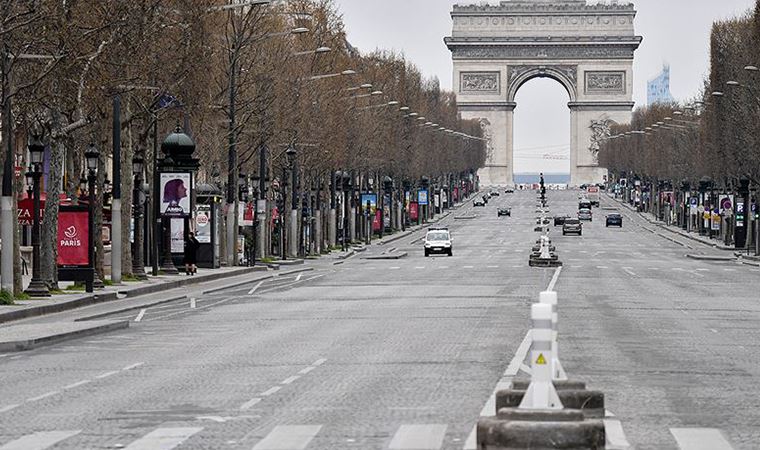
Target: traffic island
(589, 403)
(398, 255)
(17, 338)
(540, 430)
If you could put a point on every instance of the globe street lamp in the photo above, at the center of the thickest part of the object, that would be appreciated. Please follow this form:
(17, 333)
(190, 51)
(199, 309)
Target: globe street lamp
(91, 158)
(37, 287)
(138, 263)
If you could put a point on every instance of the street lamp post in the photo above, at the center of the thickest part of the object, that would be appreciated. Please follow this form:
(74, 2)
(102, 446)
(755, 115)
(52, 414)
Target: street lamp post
(138, 263)
(91, 157)
(291, 154)
(37, 287)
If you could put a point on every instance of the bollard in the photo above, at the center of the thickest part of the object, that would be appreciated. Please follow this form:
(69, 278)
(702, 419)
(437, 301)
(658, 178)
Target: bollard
(541, 393)
(558, 372)
(545, 253)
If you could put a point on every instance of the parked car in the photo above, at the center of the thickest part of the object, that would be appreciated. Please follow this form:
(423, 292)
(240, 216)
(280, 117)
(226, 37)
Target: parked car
(478, 202)
(486, 197)
(509, 191)
(438, 240)
(560, 220)
(614, 219)
(494, 193)
(504, 212)
(573, 226)
(585, 214)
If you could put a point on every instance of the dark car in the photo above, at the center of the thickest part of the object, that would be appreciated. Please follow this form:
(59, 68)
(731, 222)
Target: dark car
(614, 219)
(560, 220)
(585, 214)
(494, 193)
(504, 212)
(478, 202)
(509, 191)
(572, 226)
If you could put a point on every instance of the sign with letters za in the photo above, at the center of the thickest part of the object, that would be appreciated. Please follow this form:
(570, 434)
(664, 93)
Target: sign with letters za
(73, 230)
(422, 197)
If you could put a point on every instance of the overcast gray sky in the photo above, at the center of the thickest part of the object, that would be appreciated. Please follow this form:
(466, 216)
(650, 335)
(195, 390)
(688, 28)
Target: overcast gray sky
(674, 31)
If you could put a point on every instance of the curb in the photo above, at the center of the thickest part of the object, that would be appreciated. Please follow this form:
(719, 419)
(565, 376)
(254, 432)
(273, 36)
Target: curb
(711, 258)
(17, 346)
(387, 256)
(88, 300)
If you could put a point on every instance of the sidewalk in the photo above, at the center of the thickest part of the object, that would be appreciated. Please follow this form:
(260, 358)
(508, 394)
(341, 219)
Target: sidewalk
(649, 217)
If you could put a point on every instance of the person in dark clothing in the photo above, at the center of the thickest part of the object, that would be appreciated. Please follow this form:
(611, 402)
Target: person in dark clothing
(191, 250)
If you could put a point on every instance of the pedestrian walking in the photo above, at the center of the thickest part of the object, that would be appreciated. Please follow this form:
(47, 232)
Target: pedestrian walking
(191, 251)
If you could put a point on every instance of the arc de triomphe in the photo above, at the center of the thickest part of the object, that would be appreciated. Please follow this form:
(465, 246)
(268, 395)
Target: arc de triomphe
(586, 48)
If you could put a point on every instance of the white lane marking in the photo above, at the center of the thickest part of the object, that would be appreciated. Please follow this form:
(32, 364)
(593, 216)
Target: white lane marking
(444, 267)
(255, 287)
(319, 362)
(602, 267)
(192, 303)
(45, 395)
(133, 366)
(298, 278)
(288, 437)
(77, 384)
(554, 279)
(290, 379)
(418, 437)
(468, 267)
(703, 270)
(250, 404)
(163, 438)
(700, 439)
(419, 268)
(629, 271)
(107, 374)
(9, 407)
(40, 440)
(489, 408)
(140, 315)
(270, 391)
(3, 356)
(729, 270)
(614, 435)
(492, 267)
(306, 370)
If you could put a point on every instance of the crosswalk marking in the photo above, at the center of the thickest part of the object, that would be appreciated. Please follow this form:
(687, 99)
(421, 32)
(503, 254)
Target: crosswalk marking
(40, 440)
(700, 439)
(163, 438)
(418, 437)
(288, 437)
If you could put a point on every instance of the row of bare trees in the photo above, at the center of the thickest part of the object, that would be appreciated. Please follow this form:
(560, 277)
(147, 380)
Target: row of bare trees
(241, 75)
(716, 135)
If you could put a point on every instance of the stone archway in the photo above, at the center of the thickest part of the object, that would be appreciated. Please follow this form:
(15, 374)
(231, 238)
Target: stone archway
(588, 49)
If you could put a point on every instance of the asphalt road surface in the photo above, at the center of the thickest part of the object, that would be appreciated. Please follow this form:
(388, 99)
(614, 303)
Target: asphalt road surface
(404, 354)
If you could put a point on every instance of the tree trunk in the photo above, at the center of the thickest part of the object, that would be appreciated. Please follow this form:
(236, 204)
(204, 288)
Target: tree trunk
(127, 184)
(49, 226)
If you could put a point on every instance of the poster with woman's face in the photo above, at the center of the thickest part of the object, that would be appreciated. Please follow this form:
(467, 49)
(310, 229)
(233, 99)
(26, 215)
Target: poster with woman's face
(175, 194)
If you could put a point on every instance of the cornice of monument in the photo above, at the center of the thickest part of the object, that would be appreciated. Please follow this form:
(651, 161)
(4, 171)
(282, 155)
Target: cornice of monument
(548, 7)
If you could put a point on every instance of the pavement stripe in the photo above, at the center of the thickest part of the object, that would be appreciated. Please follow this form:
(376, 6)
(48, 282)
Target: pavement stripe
(40, 440)
(319, 362)
(700, 439)
(163, 438)
(290, 379)
(133, 366)
(107, 374)
(77, 384)
(255, 287)
(418, 437)
(271, 391)
(306, 370)
(614, 435)
(554, 279)
(9, 407)
(250, 404)
(45, 395)
(140, 315)
(288, 437)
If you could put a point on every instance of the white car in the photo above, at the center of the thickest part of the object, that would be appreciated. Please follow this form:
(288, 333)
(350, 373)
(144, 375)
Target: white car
(438, 240)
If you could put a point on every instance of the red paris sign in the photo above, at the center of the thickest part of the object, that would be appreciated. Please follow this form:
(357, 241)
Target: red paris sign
(73, 229)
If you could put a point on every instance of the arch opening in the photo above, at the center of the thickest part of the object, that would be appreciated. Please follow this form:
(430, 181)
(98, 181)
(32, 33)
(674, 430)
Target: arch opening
(542, 131)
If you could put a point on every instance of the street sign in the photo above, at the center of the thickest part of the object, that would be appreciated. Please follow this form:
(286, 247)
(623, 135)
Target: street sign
(726, 203)
(701, 208)
(422, 197)
(693, 201)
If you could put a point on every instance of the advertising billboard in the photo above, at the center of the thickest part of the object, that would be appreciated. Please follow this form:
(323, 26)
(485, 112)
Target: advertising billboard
(175, 194)
(73, 230)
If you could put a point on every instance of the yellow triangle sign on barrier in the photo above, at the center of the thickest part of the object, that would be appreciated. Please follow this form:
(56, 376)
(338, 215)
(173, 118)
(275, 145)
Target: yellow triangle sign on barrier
(541, 360)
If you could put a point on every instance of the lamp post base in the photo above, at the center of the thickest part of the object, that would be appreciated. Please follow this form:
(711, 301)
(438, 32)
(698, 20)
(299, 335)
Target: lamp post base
(37, 288)
(139, 273)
